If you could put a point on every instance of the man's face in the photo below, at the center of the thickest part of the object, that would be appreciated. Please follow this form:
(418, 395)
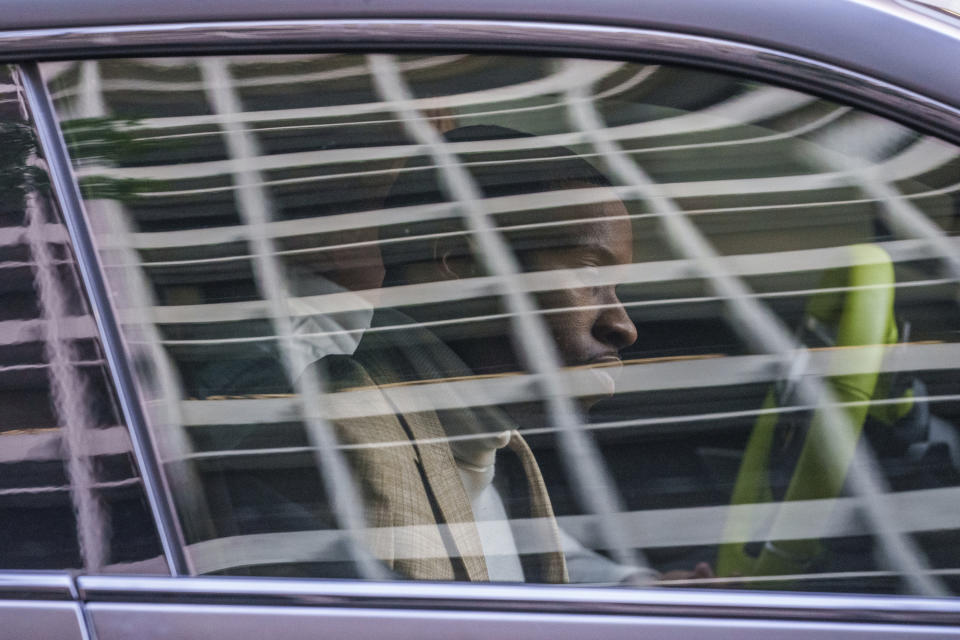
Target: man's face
(587, 320)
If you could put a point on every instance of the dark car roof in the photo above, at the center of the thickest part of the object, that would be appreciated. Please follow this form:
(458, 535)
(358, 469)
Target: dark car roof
(896, 41)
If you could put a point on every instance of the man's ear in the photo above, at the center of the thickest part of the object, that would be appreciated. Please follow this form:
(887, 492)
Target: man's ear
(454, 258)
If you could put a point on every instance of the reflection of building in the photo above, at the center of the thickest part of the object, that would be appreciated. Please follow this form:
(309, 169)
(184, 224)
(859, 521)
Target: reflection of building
(232, 167)
(70, 495)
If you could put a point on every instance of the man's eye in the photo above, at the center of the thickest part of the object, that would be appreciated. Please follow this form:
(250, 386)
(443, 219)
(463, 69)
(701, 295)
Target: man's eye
(589, 276)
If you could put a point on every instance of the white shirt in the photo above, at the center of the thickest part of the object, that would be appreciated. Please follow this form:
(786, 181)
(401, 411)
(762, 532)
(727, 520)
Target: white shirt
(317, 332)
(476, 458)
(496, 537)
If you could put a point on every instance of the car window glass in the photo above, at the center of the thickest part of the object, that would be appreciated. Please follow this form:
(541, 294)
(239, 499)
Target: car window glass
(524, 319)
(71, 496)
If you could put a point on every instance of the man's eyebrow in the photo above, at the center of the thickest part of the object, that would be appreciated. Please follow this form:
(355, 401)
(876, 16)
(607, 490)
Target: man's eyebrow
(604, 252)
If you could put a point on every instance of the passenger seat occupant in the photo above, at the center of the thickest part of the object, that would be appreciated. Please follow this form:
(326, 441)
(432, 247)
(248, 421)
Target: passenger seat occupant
(317, 331)
(455, 493)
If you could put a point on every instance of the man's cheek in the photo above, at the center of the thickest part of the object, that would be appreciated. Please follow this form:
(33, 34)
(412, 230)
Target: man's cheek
(573, 337)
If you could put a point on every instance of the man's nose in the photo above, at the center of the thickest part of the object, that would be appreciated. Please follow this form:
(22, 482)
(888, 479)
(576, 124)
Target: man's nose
(614, 327)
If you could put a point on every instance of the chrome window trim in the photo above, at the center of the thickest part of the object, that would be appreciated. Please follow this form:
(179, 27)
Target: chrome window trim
(225, 622)
(46, 596)
(740, 604)
(933, 9)
(31, 585)
(67, 191)
(860, 89)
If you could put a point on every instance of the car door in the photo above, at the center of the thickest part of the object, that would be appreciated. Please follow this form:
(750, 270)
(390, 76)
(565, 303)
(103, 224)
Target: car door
(770, 407)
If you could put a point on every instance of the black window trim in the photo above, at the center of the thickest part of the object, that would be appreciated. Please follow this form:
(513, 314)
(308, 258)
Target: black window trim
(36, 585)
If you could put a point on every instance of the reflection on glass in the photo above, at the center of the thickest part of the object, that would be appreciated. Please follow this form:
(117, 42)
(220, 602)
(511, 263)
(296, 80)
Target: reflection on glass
(70, 493)
(531, 320)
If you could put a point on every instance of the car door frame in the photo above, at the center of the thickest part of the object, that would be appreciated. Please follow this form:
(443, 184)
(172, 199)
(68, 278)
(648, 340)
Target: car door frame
(116, 604)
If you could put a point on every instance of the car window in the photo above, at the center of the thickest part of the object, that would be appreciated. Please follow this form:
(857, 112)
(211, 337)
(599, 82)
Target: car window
(527, 319)
(70, 493)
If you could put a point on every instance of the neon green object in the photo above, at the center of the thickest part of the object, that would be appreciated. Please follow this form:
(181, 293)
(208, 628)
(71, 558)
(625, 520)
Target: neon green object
(858, 304)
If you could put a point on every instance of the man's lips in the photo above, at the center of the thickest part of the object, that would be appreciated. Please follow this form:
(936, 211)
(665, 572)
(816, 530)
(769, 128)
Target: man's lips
(605, 361)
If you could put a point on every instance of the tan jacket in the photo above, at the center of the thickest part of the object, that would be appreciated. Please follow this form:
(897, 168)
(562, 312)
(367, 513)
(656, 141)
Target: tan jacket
(418, 512)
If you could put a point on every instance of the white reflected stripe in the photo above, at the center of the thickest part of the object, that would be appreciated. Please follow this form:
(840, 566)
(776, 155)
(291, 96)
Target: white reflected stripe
(51, 232)
(586, 72)
(306, 226)
(918, 511)
(45, 444)
(755, 105)
(641, 74)
(923, 156)
(684, 374)
(680, 124)
(138, 84)
(450, 290)
(367, 219)
(66, 488)
(920, 158)
(401, 215)
(692, 307)
(317, 179)
(926, 510)
(933, 154)
(22, 331)
(673, 425)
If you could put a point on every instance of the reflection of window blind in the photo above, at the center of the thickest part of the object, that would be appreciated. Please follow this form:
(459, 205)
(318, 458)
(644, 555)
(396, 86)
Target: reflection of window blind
(255, 210)
(748, 120)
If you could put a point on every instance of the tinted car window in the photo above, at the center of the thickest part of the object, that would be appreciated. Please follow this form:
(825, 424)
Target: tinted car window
(70, 493)
(527, 319)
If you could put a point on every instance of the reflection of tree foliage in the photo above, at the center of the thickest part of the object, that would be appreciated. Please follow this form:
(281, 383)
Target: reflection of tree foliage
(103, 140)
(17, 143)
(113, 142)
(107, 141)
(123, 189)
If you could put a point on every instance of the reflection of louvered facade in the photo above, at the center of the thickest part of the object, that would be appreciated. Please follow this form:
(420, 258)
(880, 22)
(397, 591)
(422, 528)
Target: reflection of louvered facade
(224, 192)
(70, 495)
